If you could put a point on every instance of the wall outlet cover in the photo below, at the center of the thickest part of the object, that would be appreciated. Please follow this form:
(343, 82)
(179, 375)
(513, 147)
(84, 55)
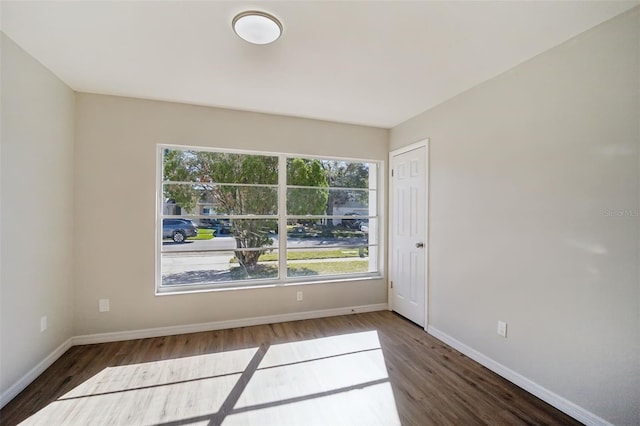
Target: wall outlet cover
(502, 328)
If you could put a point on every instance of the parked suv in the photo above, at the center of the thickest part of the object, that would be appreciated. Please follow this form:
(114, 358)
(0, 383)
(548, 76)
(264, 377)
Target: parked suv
(178, 229)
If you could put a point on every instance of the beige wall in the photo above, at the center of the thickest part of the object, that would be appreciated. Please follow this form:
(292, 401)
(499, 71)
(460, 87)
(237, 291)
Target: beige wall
(526, 171)
(37, 213)
(115, 172)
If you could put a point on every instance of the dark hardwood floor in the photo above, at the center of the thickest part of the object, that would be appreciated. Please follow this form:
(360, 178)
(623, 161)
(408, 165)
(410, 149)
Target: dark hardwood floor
(322, 371)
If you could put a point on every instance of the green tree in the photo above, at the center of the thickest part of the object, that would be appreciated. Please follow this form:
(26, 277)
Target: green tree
(219, 179)
(342, 174)
(177, 168)
(226, 181)
(303, 201)
(241, 169)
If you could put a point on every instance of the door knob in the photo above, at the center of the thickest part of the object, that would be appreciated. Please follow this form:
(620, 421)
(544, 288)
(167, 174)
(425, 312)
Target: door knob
(419, 245)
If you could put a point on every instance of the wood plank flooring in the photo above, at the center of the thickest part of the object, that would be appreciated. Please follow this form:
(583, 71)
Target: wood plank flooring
(373, 368)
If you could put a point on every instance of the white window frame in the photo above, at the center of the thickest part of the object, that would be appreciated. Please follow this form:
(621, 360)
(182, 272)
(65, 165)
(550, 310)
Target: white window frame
(282, 218)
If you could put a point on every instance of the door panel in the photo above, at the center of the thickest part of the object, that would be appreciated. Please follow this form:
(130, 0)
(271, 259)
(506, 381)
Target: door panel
(409, 231)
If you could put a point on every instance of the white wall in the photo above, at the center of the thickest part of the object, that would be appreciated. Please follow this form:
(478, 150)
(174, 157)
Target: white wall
(525, 172)
(37, 213)
(115, 172)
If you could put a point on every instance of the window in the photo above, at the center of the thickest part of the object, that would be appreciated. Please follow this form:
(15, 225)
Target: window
(241, 219)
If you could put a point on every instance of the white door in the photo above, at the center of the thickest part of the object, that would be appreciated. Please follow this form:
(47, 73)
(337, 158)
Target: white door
(408, 269)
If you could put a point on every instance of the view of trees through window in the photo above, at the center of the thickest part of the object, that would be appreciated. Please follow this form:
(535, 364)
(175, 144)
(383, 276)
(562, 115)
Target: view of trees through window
(239, 218)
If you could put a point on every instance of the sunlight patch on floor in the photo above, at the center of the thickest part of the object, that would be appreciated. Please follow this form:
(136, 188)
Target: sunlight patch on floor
(127, 377)
(372, 405)
(331, 380)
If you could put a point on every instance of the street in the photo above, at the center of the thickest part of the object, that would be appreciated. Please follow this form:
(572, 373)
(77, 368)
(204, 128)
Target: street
(197, 256)
(228, 243)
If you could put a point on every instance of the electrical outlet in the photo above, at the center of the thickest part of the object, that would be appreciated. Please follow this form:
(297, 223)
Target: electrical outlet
(502, 328)
(103, 305)
(43, 323)
(299, 296)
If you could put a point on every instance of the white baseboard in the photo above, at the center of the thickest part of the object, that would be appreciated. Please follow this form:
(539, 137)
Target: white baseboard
(26, 380)
(562, 404)
(221, 325)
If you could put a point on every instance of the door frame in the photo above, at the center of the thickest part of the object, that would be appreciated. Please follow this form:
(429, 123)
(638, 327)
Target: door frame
(422, 143)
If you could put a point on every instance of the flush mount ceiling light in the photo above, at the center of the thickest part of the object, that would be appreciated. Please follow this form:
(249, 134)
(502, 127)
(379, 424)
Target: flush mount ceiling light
(257, 27)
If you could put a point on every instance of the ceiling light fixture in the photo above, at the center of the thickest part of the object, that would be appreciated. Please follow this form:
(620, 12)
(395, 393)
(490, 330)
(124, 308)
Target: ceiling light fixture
(257, 27)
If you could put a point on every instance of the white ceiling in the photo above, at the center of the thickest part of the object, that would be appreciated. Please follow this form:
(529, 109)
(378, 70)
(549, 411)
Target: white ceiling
(366, 62)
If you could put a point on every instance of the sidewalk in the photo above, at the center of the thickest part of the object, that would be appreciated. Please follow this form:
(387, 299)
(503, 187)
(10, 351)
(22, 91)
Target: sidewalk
(176, 264)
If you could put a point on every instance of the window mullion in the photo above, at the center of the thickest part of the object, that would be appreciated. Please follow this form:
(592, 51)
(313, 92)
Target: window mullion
(282, 217)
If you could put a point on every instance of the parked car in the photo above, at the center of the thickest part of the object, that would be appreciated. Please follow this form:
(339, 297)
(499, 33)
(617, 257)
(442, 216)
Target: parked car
(178, 229)
(353, 222)
(356, 222)
(221, 226)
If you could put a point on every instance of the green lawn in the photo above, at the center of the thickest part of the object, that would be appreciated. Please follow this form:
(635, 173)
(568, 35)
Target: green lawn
(303, 269)
(311, 254)
(327, 268)
(203, 234)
